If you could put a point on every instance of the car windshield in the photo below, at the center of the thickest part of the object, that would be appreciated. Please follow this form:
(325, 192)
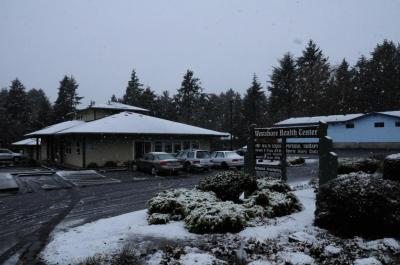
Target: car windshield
(231, 154)
(165, 156)
(203, 154)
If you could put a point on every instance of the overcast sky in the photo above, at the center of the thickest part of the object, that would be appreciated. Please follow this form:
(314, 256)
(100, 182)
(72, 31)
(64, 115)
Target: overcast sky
(223, 41)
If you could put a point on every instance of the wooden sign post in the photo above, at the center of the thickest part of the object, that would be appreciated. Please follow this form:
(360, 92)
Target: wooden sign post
(269, 147)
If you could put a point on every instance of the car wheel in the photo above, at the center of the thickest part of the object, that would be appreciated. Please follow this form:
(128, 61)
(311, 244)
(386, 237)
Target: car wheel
(187, 166)
(154, 171)
(224, 165)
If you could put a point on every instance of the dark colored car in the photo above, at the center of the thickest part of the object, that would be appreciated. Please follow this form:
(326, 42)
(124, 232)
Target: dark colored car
(158, 162)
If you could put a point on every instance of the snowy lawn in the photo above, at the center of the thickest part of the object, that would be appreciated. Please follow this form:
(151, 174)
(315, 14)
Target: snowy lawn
(293, 237)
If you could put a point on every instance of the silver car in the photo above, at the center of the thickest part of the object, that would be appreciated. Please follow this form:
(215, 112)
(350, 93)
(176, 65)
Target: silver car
(8, 155)
(227, 159)
(195, 159)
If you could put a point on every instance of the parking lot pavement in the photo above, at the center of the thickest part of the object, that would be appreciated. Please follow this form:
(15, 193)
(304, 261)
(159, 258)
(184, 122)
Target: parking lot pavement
(27, 218)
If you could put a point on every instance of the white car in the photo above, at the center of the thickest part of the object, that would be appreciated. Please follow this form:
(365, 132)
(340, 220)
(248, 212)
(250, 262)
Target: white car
(195, 159)
(8, 155)
(227, 159)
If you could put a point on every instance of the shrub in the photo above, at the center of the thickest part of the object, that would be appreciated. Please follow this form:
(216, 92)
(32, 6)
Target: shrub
(349, 165)
(295, 160)
(391, 167)
(92, 165)
(179, 202)
(110, 164)
(229, 185)
(359, 204)
(218, 217)
(273, 184)
(158, 218)
(274, 203)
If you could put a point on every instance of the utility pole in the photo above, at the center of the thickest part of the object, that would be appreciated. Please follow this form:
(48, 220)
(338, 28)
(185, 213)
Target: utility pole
(231, 108)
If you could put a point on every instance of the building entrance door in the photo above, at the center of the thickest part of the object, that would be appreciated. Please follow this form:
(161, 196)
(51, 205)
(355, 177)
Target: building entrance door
(142, 148)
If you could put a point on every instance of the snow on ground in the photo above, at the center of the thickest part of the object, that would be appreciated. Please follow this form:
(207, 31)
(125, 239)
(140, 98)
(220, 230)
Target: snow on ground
(106, 236)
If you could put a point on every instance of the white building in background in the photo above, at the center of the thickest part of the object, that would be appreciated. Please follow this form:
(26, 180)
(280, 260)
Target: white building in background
(373, 130)
(118, 133)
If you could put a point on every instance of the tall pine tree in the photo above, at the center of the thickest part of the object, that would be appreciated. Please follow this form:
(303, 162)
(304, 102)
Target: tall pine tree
(40, 108)
(254, 104)
(17, 111)
(312, 80)
(283, 98)
(134, 91)
(188, 96)
(67, 99)
(341, 95)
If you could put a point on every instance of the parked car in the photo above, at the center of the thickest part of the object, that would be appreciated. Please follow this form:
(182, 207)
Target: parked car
(8, 155)
(158, 162)
(227, 159)
(195, 159)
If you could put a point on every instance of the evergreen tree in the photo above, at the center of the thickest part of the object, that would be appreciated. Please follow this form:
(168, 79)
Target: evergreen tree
(148, 100)
(312, 80)
(3, 117)
(67, 99)
(17, 111)
(363, 88)
(165, 107)
(282, 88)
(384, 76)
(40, 109)
(133, 91)
(254, 104)
(187, 96)
(341, 96)
(114, 98)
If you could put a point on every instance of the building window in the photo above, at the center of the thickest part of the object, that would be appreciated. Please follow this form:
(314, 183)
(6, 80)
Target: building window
(68, 148)
(177, 147)
(186, 145)
(78, 148)
(147, 147)
(195, 145)
(350, 125)
(158, 147)
(397, 124)
(168, 147)
(379, 124)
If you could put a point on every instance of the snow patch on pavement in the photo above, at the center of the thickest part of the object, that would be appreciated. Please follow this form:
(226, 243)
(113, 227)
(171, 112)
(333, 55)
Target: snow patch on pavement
(106, 236)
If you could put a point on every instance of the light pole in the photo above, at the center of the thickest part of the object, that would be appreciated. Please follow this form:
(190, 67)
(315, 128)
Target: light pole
(231, 109)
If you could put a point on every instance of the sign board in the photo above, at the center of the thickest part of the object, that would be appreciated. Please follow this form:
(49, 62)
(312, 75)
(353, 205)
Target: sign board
(287, 132)
(270, 144)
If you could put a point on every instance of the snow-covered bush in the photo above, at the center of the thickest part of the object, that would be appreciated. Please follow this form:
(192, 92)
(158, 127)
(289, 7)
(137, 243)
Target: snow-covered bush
(158, 218)
(295, 160)
(391, 167)
(92, 165)
(217, 217)
(272, 184)
(359, 204)
(367, 165)
(274, 203)
(110, 164)
(229, 185)
(179, 202)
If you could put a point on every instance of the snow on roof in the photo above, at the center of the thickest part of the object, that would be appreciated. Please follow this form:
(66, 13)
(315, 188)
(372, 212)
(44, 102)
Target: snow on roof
(55, 128)
(135, 123)
(115, 106)
(391, 113)
(29, 141)
(316, 119)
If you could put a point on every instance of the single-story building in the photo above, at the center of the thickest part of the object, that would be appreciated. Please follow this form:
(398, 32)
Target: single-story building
(119, 137)
(28, 147)
(372, 130)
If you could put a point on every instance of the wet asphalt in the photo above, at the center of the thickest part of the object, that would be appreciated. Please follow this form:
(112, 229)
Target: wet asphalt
(28, 217)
